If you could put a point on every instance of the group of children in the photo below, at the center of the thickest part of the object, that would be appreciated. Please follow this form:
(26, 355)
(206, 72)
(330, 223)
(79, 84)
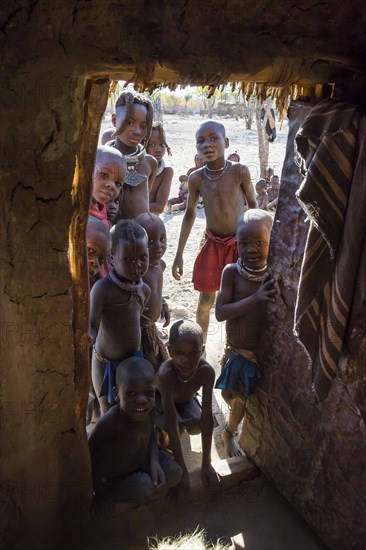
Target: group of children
(147, 391)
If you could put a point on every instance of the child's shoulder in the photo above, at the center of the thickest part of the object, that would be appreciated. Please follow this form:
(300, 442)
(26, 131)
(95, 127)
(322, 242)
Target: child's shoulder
(205, 367)
(196, 176)
(166, 370)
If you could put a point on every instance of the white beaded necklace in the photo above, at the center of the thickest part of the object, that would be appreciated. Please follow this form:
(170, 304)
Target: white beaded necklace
(222, 170)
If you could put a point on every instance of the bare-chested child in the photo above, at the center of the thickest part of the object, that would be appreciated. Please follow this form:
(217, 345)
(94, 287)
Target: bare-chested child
(109, 173)
(225, 188)
(151, 345)
(160, 189)
(116, 305)
(273, 193)
(262, 195)
(98, 246)
(126, 465)
(179, 379)
(133, 121)
(245, 289)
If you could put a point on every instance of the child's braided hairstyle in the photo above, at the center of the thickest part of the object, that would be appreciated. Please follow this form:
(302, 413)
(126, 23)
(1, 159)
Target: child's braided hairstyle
(127, 230)
(128, 99)
(160, 128)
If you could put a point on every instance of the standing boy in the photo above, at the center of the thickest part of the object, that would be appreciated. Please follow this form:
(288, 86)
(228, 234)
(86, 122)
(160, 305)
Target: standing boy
(133, 121)
(178, 381)
(245, 289)
(226, 188)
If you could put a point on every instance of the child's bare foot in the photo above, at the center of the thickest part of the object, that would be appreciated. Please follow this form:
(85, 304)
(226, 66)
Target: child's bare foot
(232, 448)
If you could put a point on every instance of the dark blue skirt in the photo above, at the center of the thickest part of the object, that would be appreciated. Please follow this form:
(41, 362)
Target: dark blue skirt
(239, 374)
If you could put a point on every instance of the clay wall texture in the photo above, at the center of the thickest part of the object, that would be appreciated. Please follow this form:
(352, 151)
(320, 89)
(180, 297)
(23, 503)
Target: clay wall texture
(51, 54)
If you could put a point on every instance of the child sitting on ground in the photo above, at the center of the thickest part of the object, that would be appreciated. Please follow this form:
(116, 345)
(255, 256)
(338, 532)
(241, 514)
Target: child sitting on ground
(226, 188)
(245, 289)
(262, 195)
(160, 189)
(151, 345)
(116, 305)
(126, 465)
(108, 176)
(180, 202)
(273, 192)
(98, 246)
(133, 121)
(178, 381)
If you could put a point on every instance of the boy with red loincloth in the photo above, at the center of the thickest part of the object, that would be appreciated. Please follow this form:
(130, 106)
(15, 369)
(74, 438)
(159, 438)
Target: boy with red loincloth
(225, 188)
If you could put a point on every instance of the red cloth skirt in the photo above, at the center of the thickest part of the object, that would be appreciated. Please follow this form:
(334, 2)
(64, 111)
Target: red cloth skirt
(214, 255)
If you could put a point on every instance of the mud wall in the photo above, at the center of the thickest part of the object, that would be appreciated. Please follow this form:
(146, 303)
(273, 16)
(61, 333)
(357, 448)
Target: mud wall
(314, 452)
(53, 56)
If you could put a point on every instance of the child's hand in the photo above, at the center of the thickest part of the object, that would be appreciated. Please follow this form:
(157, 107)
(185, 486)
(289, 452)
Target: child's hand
(177, 269)
(165, 314)
(267, 292)
(209, 476)
(157, 475)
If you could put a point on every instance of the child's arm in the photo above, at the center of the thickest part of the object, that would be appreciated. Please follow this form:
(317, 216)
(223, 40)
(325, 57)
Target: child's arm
(208, 473)
(265, 202)
(247, 186)
(227, 309)
(97, 299)
(187, 223)
(156, 471)
(163, 192)
(153, 163)
(171, 422)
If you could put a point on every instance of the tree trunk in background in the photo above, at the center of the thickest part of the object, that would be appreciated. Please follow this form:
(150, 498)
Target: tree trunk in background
(263, 148)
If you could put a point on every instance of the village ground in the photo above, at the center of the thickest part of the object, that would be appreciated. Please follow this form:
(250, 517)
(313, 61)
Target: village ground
(265, 520)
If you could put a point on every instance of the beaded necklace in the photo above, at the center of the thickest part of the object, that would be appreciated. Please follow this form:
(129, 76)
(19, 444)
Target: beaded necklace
(222, 170)
(161, 166)
(188, 379)
(133, 287)
(254, 275)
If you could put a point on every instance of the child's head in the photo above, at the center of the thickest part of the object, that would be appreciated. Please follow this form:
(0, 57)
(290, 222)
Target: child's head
(109, 173)
(133, 119)
(130, 254)
(185, 347)
(234, 157)
(157, 145)
(183, 181)
(112, 209)
(135, 388)
(98, 244)
(106, 136)
(253, 234)
(156, 234)
(211, 141)
(261, 186)
(268, 173)
(198, 162)
(275, 182)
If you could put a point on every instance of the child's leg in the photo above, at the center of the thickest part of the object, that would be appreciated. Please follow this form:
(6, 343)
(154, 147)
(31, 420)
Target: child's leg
(98, 368)
(171, 469)
(136, 488)
(236, 415)
(205, 303)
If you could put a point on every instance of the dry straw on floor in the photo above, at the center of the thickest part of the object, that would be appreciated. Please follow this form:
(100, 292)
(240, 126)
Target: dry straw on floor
(193, 541)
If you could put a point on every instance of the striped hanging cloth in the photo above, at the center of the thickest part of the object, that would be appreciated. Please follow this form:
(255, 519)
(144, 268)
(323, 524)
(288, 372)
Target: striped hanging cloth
(333, 194)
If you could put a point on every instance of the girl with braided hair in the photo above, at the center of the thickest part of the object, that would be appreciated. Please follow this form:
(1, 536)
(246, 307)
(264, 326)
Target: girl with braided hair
(157, 147)
(116, 305)
(133, 122)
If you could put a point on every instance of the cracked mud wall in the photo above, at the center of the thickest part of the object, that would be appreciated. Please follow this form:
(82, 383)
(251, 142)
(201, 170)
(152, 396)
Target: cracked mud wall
(314, 452)
(45, 474)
